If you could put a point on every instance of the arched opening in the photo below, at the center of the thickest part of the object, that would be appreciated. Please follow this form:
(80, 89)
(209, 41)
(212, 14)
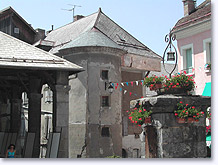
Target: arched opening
(124, 154)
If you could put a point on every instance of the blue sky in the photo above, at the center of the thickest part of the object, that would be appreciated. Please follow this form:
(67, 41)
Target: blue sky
(147, 20)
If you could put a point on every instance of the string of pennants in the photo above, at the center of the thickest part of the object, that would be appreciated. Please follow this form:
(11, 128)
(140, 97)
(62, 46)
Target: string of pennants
(126, 84)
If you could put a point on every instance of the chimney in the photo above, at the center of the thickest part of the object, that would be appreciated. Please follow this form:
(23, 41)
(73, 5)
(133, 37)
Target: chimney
(52, 28)
(189, 6)
(40, 34)
(77, 17)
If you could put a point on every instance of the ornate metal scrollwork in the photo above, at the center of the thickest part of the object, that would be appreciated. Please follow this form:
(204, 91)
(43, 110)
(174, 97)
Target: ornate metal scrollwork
(168, 39)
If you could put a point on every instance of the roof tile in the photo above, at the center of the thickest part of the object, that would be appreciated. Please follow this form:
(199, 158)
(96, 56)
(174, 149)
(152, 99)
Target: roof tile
(15, 53)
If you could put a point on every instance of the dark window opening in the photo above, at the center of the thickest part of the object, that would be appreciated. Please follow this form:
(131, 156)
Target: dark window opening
(124, 153)
(104, 74)
(79, 156)
(105, 132)
(105, 101)
(136, 136)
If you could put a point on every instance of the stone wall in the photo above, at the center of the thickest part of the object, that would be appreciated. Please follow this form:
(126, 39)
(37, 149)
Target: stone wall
(87, 116)
(175, 140)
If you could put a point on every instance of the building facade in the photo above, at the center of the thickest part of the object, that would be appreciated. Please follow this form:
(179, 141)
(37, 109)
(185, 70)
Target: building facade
(13, 24)
(98, 124)
(193, 34)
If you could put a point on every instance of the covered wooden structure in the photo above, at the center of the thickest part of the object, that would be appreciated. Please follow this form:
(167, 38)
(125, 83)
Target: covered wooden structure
(25, 68)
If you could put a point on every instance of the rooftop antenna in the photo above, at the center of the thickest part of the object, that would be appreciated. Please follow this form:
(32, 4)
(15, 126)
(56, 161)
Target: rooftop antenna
(73, 9)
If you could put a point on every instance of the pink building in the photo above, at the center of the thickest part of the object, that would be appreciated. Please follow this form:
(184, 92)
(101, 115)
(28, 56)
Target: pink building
(193, 34)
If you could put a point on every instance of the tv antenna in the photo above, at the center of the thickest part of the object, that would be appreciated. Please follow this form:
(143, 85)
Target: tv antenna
(73, 9)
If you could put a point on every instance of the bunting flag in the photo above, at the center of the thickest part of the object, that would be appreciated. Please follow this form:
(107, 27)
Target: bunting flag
(132, 94)
(137, 83)
(132, 83)
(122, 84)
(127, 83)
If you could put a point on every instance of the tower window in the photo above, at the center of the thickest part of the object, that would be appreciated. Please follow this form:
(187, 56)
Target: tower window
(105, 132)
(105, 101)
(104, 74)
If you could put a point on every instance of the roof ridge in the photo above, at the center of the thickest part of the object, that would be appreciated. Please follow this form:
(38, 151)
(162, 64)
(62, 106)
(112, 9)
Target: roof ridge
(127, 33)
(203, 4)
(99, 12)
(74, 21)
(194, 16)
(93, 31)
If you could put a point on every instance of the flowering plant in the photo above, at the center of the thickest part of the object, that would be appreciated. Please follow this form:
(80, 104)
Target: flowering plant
(151, 81)
(208, 126)
(138, 115)
(207, 66)
(209, 115)
(186, 111)
(208, 129)
(181, 80)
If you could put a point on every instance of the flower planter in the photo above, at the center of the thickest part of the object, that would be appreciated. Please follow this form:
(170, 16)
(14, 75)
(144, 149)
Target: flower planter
(158, 86)
(152, 88)
(147, 120)
(175, 91)
(192, 120)
(189, 120)
(181, 120)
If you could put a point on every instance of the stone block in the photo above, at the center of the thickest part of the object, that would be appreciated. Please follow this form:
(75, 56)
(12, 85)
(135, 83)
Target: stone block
(77, 139)
(178, 140)
(62, 154)
(62, 109)
(178, 150)
(62, 120)
(93, 149)
(200, 150)
(116, 136)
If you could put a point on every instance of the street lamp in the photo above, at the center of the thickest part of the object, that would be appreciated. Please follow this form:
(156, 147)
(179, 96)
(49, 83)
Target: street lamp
(171, 55)
(109, 87)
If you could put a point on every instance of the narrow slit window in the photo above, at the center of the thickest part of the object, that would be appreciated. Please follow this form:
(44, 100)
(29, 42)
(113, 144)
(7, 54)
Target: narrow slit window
(105, 101)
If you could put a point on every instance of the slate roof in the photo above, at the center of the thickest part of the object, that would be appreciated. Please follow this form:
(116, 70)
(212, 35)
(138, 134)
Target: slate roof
(92, 37)
(71, 31)
(17, 54)
(106, 26)
(202, 13)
